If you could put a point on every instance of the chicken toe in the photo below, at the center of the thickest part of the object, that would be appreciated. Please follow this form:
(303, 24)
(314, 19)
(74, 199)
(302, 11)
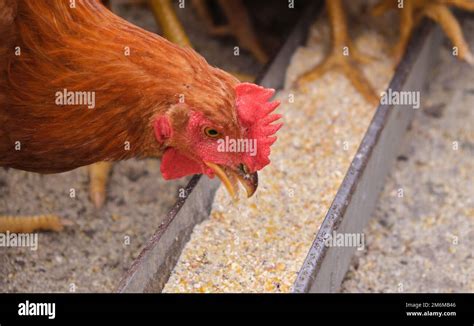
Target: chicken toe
(343, 56)
(411, 13)
(28, 224)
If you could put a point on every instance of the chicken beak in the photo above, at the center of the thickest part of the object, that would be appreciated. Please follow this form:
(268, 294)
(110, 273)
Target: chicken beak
(248, 180)
(230, 176)
(225, 179)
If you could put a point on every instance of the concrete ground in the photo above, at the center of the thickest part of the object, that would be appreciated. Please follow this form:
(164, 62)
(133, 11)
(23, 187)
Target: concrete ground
(424, 241)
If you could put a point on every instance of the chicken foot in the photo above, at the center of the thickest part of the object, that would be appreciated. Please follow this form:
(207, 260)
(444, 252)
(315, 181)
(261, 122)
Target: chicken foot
(343, 56)
(438, 10)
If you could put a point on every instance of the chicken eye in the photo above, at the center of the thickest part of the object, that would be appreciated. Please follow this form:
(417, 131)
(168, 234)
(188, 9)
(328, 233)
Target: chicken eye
(210, 132)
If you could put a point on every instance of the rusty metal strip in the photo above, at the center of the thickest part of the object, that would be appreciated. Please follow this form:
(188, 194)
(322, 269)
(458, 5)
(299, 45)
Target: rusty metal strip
(325, 267)
(151, 270)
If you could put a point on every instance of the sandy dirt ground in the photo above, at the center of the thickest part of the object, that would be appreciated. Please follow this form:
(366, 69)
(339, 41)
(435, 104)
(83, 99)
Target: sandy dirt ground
(424, 241)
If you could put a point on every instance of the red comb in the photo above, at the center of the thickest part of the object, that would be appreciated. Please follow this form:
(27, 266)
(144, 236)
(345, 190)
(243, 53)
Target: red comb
(255, 115)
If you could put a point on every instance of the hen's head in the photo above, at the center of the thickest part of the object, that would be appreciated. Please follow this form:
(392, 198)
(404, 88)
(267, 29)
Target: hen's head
(225, 132)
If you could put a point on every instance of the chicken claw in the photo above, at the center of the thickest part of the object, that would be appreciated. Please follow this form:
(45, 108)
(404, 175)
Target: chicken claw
(438, 10)
(443, 16)
(338, 60)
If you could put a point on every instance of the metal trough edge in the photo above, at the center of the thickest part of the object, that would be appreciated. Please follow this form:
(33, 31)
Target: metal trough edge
(152, 268)
(325, 267)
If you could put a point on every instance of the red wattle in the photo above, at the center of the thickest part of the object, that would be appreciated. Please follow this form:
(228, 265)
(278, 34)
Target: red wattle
(175, 165)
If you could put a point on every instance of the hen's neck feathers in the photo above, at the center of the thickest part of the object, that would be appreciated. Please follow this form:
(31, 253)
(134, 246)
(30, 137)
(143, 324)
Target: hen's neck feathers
(135, 76)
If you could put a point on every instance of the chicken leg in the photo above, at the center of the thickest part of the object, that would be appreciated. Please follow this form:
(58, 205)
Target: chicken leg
(174, 31)
(239, 25)
(343, 55)
(98, 179)
(413, 11)
(99, 172)
(169, 22)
